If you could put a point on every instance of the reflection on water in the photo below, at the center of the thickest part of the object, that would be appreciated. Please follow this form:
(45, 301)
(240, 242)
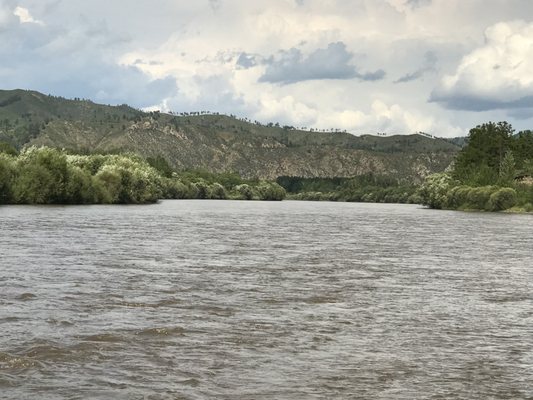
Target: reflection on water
(252, 300)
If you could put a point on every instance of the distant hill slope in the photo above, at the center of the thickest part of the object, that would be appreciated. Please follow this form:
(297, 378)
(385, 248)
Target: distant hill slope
(215, 143)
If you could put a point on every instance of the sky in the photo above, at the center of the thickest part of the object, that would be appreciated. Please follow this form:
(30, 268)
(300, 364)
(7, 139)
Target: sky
(365, 66)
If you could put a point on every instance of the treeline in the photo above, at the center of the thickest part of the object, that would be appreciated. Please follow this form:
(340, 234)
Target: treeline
(369, 188)
(493, 172)
(49, 176)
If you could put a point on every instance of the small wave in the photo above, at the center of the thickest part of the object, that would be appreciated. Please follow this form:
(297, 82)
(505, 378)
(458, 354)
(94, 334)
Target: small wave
(168, 302)
(53, 321)
(320, 300)
(508, 299)
(190, 382)
(175, 331)
(9, 361)
(26, 296)
(161, 303)
(219, 311)
(44, 351)
(104, 337)
(7, 381)
(10, 319)
(47, 352)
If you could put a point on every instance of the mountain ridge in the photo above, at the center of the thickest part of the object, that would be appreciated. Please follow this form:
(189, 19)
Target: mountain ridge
(215, 142)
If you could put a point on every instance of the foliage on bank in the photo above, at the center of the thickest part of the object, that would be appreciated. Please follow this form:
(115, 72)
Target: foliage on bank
(49, 176)
(493, 172)
(368, 188)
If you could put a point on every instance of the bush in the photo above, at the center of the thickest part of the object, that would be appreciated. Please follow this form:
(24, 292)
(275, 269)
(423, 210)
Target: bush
(217, 192)
(503, 199)
(107, 185)
(457, 197)
(478, 197)
(50, 176)
(201, 189)
(176, 189)
(79, 188)
(34, 185)
(6, 148)
(7, 177)
(244, 192)
(271, 191)
(43, 176)
(434, 190)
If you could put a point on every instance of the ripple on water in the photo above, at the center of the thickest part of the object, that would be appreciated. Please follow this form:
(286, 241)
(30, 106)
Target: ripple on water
(105, 338)
(162, 331)
(26, 296)
(11, 361)
(169, 302)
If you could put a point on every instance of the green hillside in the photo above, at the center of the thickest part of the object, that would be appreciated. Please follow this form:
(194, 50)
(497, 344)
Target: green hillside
(216, 143)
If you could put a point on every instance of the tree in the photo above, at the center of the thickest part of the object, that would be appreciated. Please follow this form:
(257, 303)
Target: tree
(7, 176)
(6, 148)
(507, 169)
(245, 191)
(434, 190)
(271, 191)
(522, 147)
(486, 148)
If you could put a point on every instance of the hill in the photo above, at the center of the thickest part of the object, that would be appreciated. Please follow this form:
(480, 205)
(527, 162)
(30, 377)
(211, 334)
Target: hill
(216, 143)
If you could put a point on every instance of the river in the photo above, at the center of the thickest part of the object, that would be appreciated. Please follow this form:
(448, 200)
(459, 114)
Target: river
(259, 300)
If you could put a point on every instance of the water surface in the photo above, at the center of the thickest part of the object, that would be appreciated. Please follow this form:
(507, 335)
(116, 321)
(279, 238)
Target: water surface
(255, 300)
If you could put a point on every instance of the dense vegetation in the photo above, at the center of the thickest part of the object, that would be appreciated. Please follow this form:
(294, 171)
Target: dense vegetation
(50, 176)
(364, 188)
(493, 172)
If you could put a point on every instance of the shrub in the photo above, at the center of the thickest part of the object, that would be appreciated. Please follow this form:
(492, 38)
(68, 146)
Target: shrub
(7, 177)
(244, 192)
(43, 176)
(79, 188)
(434, 190)
(478, 197)
(176, 189)
(202, 190)
(217, 192)
(502, 199)
(271, 191)
(34, 185)
(457, 197)
(107, 185)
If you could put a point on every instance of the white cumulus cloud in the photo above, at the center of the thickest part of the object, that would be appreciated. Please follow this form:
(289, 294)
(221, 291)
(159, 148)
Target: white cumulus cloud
(497, 75)
(25, 17)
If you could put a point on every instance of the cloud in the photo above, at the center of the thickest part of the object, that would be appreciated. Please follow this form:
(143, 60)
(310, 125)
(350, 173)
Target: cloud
(25, 17)
(75, 62)
(418, 3)
(497, 75)
(7, 16)
(332, 62)
(291, 66)
(246, 61)
(429, 66)
(215, 4)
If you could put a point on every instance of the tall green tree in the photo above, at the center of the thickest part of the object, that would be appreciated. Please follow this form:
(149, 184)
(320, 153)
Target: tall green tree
(507, 169)
(479, 161)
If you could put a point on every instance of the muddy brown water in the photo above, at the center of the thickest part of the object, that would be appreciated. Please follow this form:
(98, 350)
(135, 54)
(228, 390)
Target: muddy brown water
(255, 300)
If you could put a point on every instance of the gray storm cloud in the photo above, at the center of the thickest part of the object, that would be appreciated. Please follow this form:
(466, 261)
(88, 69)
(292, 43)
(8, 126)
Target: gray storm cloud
(429, 66)
(333, 62)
